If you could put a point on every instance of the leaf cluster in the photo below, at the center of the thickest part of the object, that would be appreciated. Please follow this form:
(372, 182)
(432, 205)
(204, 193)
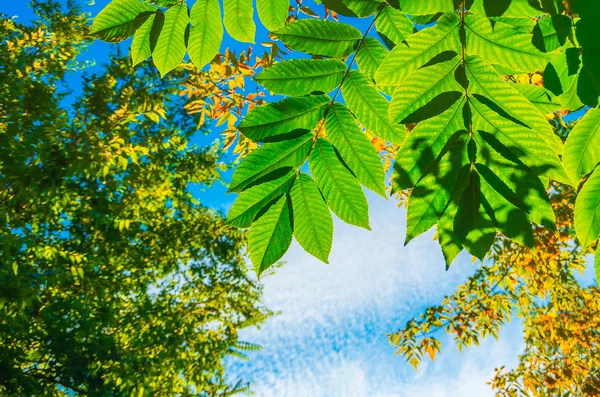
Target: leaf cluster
(464, 92)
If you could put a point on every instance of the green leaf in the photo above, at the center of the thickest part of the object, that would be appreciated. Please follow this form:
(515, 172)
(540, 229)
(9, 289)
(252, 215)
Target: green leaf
(434, 86)
(302, 76)
(424, 144)
(251, 201)
(284, 116)
(370, 107)
(165, 3)
(313, 224)
(472, 224)
(270, 236)
(524, 186)
(426, 7)
(141, 46)
(170, 47)
(272, 13)
(582, 150)
(449, 241)
(514, 120)
(513, 8)
(502, 44)
(597, 264)
(268, 158)
(508, 217)
(363, 8)
(341, 190)
(238, 19)
(539, 97)
(370, 55)
(587, 211)
(421, 48)
(394, 25)
(206, 32)
(355, 148)
(431, 195)
(551, 32)
(318, 37)
(120, 19)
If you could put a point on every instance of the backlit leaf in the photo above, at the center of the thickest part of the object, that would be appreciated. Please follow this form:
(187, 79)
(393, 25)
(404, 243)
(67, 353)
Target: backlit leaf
(284, 116)
(251, 201)
(170, 47)
(302, 76)
(120, 19)
(206, 32)
(238, 19)
(268, 158)
(270, 235)
(354, 147)
(319, 37)
(587, 211)
(582, 150)
(341, 190)
(313, 224)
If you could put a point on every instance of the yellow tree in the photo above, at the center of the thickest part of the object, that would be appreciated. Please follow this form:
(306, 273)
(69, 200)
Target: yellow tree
(560, 316)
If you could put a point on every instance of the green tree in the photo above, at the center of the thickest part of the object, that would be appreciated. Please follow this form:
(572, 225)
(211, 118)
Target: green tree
(114, 280)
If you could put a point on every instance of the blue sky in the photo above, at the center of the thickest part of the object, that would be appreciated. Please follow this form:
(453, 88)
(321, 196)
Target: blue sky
(329, 339)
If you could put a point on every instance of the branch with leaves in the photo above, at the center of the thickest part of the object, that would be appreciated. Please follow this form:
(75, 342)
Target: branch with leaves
(474, 147)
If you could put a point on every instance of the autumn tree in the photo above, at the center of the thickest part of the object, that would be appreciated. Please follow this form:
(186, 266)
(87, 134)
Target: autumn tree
(114, 279)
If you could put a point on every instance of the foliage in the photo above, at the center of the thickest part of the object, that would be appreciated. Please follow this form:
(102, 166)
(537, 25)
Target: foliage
(166, 30)
(477, 152)
(560, 317)
(114, 279)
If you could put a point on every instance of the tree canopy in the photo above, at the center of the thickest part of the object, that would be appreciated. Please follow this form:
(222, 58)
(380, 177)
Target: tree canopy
(114, 279)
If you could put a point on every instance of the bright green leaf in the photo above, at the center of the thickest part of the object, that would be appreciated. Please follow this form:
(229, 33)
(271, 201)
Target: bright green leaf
(270, 236)
(302, 76)
(369, 56)
(284, 116)
(141, 46)
(354, 147)
(313, 224)
(341, 190)
(206, 32)
(170, 47)
(587, 211)
(319, 37)
(582, 150)
(238, 19)
(370, 107)
(251, 201)
(394, 25)
(268, 158)
(120, 19)
(272, 13)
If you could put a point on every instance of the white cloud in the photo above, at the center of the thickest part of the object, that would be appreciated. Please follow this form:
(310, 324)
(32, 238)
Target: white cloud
(329, 340)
